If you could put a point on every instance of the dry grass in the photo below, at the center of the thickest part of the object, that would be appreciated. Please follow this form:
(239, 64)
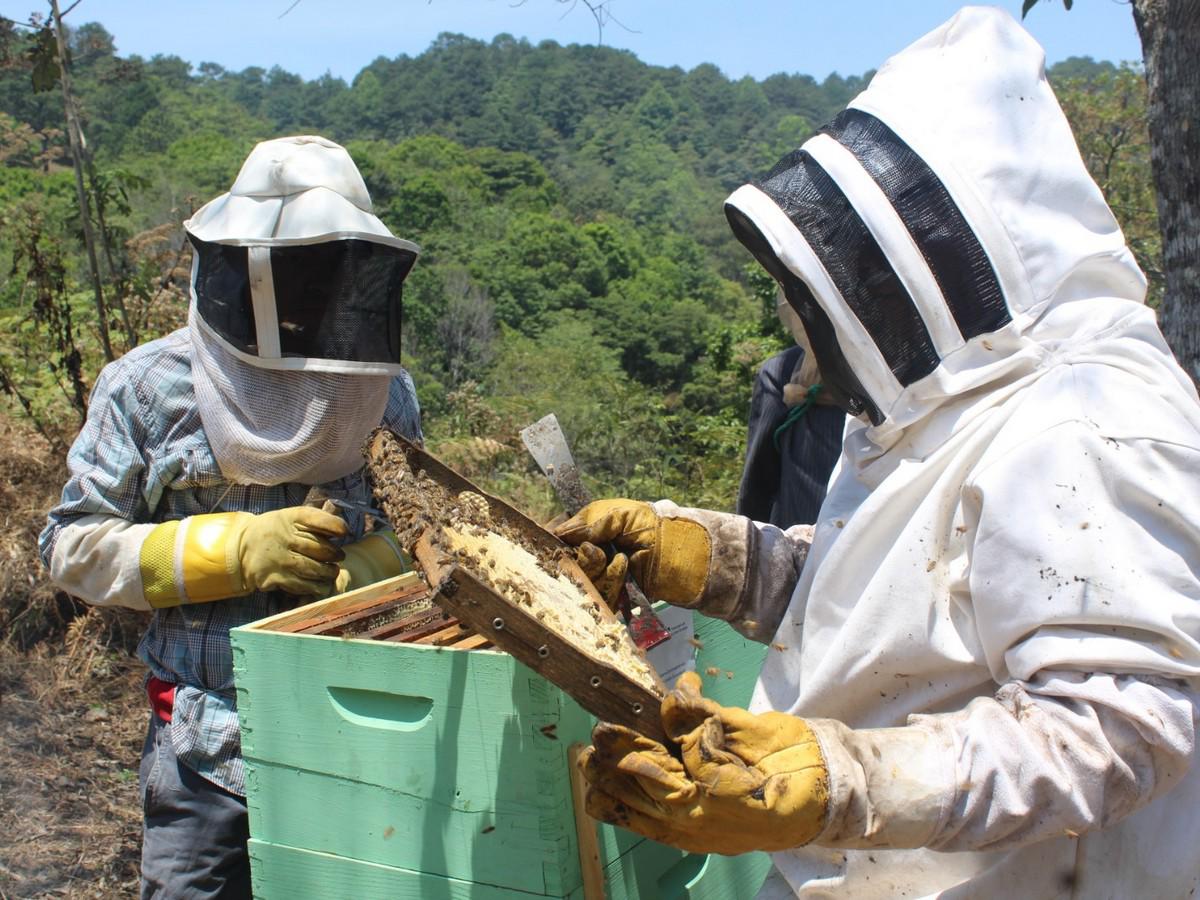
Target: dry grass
(31, 475)
(72, 711)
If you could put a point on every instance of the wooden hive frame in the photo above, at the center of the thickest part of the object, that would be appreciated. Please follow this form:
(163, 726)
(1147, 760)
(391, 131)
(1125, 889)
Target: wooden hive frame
(402, 602)
(464, 612)
(599, 687)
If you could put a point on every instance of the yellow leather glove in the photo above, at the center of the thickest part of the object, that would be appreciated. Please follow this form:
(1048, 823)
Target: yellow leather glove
(607, 576)
(374, 558)
(222, 555)
(668, 556)
(746, 782)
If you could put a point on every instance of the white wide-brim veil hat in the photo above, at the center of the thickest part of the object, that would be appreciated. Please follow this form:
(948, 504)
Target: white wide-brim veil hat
(293, 189)
(293, 193)
(295, 314)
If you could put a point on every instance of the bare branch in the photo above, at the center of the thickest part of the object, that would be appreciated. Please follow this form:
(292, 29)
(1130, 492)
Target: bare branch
(64, 12)
(601, 12)
(16, 24)
(598, 9)
(78, 149)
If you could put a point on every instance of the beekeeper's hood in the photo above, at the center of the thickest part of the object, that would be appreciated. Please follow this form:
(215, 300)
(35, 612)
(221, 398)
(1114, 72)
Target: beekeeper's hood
(292, 268)
(926, 234)
(295, 315)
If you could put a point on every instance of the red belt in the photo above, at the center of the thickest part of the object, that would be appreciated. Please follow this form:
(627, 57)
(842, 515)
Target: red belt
(162, 697)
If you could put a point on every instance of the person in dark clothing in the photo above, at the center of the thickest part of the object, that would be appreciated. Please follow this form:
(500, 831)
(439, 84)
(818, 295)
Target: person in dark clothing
(793, 440)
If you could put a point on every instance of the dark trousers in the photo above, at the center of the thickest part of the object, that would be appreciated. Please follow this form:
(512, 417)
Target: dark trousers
(194, 833)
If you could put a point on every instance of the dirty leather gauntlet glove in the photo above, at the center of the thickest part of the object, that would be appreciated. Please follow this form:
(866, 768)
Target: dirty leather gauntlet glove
(374, 558)
(746, 782)
(221, 555)
(669, 557)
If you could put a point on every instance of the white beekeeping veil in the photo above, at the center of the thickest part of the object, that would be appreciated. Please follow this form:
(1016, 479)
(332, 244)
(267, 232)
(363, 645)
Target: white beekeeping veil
(295, 315)
(924, 233)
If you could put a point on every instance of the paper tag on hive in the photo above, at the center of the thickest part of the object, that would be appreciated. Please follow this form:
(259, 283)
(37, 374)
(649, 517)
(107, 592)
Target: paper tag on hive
(674, 657)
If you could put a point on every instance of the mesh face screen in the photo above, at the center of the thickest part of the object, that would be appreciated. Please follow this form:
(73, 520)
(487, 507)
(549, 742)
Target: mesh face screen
(836, 374)
(841, 382)
(223, 292)
(340, 300)
(855, 262)
(951, 250)
(337, 300)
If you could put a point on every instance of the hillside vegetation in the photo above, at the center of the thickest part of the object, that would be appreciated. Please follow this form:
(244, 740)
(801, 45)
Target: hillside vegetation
(568, 200)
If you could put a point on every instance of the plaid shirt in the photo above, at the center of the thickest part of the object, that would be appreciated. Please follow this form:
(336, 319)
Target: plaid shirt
(143, 456)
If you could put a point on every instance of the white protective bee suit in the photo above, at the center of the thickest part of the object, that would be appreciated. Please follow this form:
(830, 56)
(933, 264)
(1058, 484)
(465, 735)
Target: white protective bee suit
(1001, 601)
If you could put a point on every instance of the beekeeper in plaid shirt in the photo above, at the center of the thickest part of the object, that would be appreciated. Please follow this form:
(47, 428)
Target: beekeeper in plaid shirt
(187, 482)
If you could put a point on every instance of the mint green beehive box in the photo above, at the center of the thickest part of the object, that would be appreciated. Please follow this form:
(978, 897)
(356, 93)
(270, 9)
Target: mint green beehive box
(414, 772)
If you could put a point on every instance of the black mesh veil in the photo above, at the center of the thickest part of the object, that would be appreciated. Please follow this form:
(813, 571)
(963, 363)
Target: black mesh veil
(340, 300)
(859, 268)
(955, 256)
(855, 262)
(222, 285)
(337, 300)
(836, 374)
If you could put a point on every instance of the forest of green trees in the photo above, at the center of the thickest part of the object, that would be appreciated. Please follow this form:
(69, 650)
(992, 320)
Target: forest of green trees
(567, 200)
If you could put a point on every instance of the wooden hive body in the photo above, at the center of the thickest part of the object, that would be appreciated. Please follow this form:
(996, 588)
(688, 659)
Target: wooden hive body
(379, 769)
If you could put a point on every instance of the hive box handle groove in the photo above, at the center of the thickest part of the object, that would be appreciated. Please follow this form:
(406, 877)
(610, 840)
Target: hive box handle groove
(379, 709)
(675, 883)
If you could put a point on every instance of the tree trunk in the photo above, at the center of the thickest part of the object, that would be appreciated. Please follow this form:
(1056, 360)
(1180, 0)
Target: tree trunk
(1170, 35)
(115, 275)
(75, 139)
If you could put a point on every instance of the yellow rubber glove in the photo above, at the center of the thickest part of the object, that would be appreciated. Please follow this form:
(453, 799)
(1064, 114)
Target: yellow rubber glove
(746, 782)
(374, 558)
(668, 556)
(213, 557)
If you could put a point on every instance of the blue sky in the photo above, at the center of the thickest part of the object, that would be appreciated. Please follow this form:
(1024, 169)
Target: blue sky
(742, 37)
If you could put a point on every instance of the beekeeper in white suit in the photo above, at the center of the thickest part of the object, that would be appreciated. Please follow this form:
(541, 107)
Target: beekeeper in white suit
(188, 482)
(983, 676)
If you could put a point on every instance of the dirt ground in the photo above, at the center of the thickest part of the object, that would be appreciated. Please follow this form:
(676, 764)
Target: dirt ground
(71, 730)
(72, 711)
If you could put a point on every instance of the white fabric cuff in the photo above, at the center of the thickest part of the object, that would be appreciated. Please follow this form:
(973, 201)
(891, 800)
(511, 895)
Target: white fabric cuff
(98, 559)
(888, 787)
(753, 570)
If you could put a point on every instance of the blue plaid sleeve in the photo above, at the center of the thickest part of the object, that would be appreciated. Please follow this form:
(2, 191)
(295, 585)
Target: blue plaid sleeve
(105, 465)
(403, 413)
